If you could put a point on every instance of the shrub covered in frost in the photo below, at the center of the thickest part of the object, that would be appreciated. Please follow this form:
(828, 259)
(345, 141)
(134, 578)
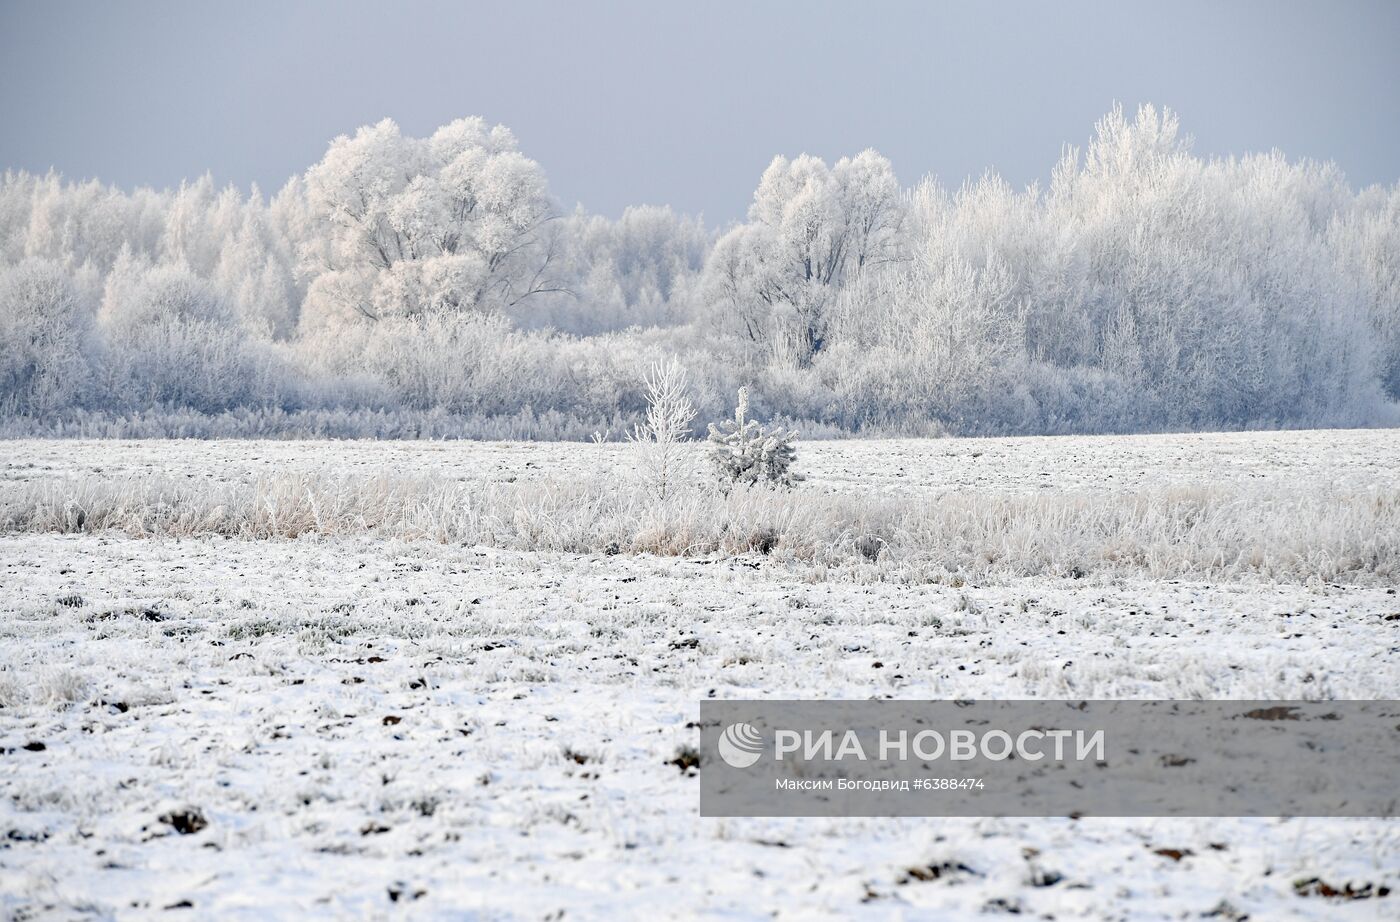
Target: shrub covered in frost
(745, 452)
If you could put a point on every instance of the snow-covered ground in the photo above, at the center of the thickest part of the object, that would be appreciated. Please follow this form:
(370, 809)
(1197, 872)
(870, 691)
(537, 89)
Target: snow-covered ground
(1325, 457)
(371, 728)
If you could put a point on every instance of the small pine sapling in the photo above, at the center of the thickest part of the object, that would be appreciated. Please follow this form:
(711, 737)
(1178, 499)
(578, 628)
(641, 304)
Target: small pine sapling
(744, 452)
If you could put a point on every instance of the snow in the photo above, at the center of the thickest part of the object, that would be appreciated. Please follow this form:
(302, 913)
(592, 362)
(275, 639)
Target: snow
(1323, 457)
(370, 727)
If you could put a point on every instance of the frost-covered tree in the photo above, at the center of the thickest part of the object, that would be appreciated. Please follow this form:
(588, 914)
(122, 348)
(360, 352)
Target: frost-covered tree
(659, 439)
(745, 452)
(1204, 286)
(254, 273)
(174, 341)
(811, 229)
(45, 336)
(1366, 244)
(638, 271)
(455, 222)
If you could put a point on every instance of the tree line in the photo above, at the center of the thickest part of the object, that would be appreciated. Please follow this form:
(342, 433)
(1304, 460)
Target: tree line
(433, 286)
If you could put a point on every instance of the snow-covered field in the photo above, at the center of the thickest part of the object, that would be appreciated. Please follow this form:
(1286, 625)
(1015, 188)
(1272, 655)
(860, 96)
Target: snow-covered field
(362, 726)
(1313, 458)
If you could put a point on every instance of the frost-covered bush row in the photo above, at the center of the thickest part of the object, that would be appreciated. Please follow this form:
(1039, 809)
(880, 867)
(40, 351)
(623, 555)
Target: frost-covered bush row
(1143, 288)
(1236, 531)
(333, 423)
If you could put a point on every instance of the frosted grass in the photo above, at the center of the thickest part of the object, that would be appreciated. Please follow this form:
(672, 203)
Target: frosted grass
(1225, 532)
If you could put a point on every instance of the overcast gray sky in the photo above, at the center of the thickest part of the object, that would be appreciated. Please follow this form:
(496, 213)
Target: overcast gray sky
(684, 104)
